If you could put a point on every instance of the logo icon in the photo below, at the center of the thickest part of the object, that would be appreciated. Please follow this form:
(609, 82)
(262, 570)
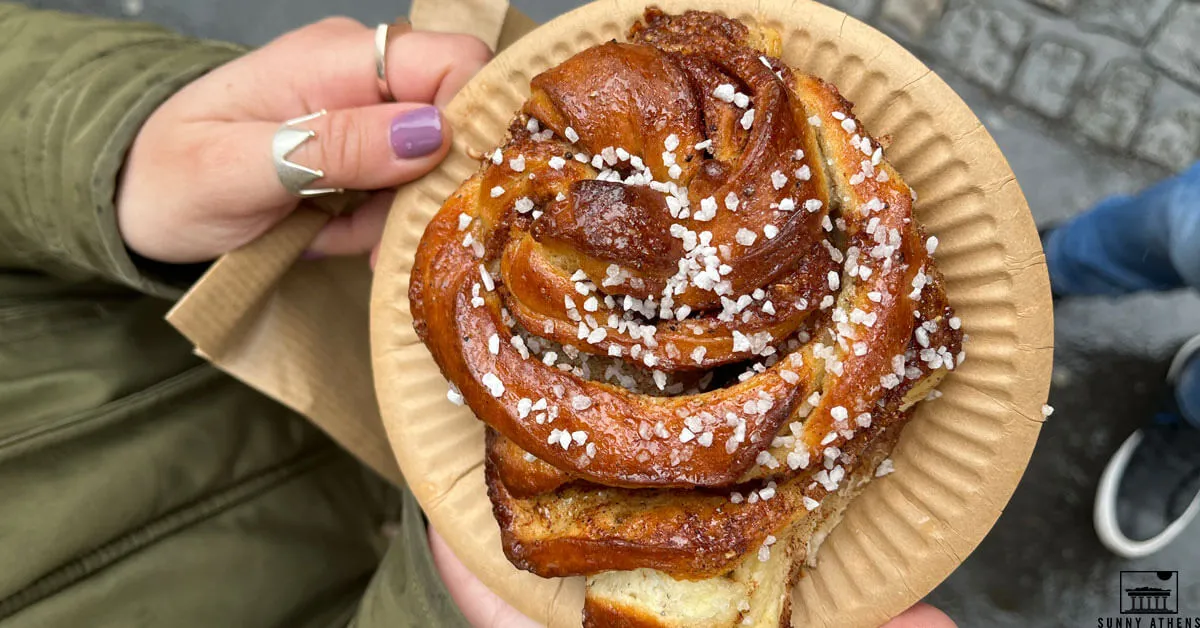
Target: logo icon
(1149, 592)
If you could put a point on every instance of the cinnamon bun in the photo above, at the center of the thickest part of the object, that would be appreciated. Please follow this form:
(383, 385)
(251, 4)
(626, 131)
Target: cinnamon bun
(689, 298)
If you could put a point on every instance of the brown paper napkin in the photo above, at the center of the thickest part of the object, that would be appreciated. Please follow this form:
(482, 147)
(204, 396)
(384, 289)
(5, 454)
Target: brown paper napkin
(297, 330)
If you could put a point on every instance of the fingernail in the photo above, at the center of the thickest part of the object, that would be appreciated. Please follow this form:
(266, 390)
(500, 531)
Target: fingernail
(417, 132)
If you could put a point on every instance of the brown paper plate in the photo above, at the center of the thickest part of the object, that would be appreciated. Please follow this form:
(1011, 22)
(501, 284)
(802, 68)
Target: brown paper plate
(959, 459)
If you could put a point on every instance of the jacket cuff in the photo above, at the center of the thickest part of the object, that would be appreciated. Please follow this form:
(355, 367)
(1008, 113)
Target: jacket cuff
(78, 90)
(160, 80)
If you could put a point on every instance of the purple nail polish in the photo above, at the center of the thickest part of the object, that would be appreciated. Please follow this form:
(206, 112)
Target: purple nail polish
(417, 132)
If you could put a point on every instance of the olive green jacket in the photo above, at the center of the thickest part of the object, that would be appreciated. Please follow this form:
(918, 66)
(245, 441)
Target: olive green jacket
(139, 486)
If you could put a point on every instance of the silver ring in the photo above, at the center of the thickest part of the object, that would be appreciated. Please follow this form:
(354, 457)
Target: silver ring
(381, 44)
(294, 177)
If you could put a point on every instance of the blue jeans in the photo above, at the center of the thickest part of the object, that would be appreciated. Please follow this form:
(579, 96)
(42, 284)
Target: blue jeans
(1125, 244)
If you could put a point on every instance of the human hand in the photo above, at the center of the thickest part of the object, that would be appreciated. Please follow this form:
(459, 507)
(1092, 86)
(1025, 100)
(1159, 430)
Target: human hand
(921, 615)
(485, 609)
(199, 180)
(481, 607)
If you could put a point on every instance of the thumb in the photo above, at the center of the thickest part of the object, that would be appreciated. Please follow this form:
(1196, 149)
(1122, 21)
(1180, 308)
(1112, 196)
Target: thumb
(480, 605)
(369, 148)
(921, 616)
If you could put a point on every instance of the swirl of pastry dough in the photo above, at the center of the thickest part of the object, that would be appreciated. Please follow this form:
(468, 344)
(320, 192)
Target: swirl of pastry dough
(716, 233)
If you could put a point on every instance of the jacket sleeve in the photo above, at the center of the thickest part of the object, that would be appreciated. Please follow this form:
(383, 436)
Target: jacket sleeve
(406, 591)
(74, 91)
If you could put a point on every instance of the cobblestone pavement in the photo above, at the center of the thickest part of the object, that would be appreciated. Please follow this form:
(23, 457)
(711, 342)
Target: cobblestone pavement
(1115, 75)
(1087, 98)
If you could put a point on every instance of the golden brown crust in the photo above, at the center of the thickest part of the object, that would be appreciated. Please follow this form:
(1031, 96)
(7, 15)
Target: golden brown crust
(535, 288)
(748, 591)
(521, 474)
(525, 475)
(668, 225)
(610, 419)
(690, 534)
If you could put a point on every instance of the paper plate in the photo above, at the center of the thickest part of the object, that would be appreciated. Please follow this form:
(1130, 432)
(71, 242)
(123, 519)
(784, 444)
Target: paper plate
(959, 459)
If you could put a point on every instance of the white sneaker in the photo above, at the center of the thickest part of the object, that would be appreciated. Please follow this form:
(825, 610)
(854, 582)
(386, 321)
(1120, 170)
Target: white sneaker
(1151, 485)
